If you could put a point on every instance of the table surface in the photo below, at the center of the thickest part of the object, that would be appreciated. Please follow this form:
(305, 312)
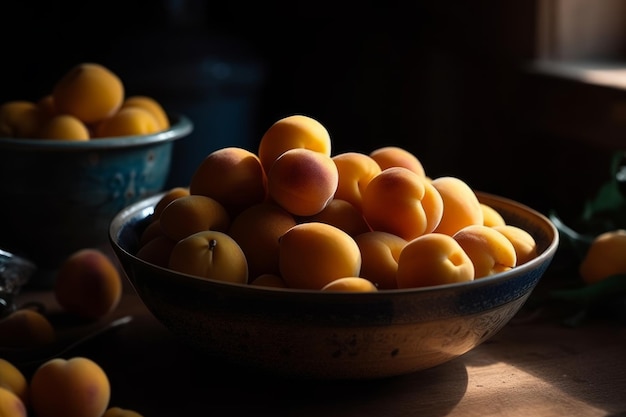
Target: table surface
(533, 367)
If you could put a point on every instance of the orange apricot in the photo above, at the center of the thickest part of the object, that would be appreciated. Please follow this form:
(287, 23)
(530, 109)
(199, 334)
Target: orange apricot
(343, 215)
(169, 196)
(193, 213)
(303, 181)
(394, 156)
(63, 127)
(460, 205)
(121, 412)
(13, 379)
(210, 254)
(153, 106)
(605, 257)
(26, 328)
(128, 121)
(269, 280)
(401, 202)
(46, 107)
(75, 387)
(355, 171)
(150, 232)
(11, 405)
(19, 119)
(157, 251)
(491, 217)
(350, 284)
(313, 254)
(490, 251)
(523, 242)
(89, 91)
(257, 230)
(433, 259)
(233, 176)
(296, 131)
(380, 252)
(88, 284)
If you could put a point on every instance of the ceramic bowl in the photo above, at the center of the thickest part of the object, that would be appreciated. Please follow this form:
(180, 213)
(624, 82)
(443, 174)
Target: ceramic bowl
(60, 196)
(328, 335)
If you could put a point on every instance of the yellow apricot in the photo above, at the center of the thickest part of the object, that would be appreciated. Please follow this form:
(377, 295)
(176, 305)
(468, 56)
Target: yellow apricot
(303, 181)
(153, 106)
(491, 217)
(75, 387)
(88, 91)
(233, 176)
(355, 170)
(63, 127)
(313, 254)
(128, 121)
(380, 252)
(19, 119)
(350, 284)
(433, 259)
(523, 242)
(605, 257)
(11, 405)
(394, 156)
(88, 284)
(169, 196)
(460, 205)
(269, 280)
(490, 251)
(26, 328)
(343, 215)
(210, 254)
(13, 379)
(257, 230)
(121, 412)
(187, 215)
(401, 202)
(296, 131)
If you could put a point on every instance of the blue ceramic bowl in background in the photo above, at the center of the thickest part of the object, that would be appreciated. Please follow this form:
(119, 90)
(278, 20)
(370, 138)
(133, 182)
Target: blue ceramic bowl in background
(317, 334)
(60, 196)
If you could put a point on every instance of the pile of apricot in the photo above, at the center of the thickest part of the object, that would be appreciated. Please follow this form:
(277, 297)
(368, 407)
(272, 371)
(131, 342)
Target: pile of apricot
(293, 215)
(87, 102)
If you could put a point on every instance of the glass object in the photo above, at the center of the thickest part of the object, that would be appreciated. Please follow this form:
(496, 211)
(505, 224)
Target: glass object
(15, 272)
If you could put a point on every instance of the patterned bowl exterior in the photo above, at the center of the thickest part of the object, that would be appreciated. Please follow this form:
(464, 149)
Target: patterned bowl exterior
(313, 334)
(60, 196)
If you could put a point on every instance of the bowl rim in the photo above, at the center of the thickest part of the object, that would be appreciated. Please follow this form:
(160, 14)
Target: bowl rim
(147, 205)
(180, 126)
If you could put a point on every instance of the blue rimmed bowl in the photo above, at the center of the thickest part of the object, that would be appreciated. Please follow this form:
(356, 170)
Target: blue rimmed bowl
(314, 334)
(59, 196)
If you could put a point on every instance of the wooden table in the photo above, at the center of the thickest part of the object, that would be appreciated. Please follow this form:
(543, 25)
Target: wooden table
(530, 368)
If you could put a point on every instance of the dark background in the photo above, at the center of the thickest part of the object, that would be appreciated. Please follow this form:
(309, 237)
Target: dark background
(442, 79)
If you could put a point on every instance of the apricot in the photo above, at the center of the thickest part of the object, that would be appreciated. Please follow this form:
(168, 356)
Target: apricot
(355, 171)
(19, 119)
(46, 108)
(121, 412)
(128, 121)
(433, 259)
(150, 232)
(169, 196)
(193, 213)
(491, 217)
(151, 105)
(257, 230)
(303, 181)
(460, 205)
(605, 257)
(12, 379)
(63, 127)
(394, 156)
(380, 252)
(157, 251)
(75, 387)
(350, 284)
(343, 215)
(401, 202)
(490, 251)
(269, 280)
(233, 176)
(295, 131)
(523, 242)
(313, 254)
(26, 328)
(210, 254)
(88, 284)
(11, 405)
(88, 91)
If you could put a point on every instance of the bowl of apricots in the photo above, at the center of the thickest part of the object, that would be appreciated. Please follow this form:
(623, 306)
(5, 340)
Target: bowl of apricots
(296, 261)
(77, 156)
